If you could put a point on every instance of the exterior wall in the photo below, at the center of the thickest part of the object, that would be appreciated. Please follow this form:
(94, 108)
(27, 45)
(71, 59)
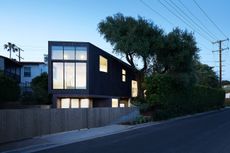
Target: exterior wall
(36, 70)
(100, 85)
(27, 123)
(2, 64)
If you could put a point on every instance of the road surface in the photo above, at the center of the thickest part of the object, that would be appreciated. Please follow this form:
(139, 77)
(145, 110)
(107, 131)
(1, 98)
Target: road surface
(202, 134)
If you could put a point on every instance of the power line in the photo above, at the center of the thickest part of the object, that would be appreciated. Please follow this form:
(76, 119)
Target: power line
(201, 23)
(210, 19)
(182, 20)
(148, 6)
(186, 15)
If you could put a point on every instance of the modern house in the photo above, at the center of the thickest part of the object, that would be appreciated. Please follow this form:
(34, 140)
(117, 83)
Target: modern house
(30, 70)
(10, 68)
(82, 75)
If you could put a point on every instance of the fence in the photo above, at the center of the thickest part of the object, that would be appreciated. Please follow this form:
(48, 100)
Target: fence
(18, 124)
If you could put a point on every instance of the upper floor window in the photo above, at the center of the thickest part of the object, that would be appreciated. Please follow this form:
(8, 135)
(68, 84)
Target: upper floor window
(81, 53)
(57, 52)
(69, 53)
(103, 64)
(27, 71)
(123, 75)
(134, 88)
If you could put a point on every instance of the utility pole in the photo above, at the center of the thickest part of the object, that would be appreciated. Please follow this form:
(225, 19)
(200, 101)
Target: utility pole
(220, 57)
(19, 54)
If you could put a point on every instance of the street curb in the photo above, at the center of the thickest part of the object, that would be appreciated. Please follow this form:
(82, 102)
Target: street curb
(40, 147)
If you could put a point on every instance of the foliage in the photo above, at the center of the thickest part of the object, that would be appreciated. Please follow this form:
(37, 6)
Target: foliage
(225, 82)
(206, 76)
(10, 47)
(9, 89)
(134, 38)
(178, 52)
(40, 94)
(168, 98)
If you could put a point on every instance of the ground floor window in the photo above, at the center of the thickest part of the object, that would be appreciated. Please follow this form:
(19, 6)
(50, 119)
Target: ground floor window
(114, 103)
(74, 103)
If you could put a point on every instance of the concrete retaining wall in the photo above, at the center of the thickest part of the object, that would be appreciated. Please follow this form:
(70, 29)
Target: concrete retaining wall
(18, 124)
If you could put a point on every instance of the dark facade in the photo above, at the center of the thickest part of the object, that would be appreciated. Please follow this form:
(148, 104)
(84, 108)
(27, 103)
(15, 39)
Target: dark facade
(10, 68)
(80, 71)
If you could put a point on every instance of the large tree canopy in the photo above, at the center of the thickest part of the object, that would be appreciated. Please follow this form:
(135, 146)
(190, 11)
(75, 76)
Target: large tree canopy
(178, 52)
(134, 38)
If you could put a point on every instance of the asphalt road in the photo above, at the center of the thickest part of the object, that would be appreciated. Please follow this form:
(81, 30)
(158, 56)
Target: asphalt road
(203, 134)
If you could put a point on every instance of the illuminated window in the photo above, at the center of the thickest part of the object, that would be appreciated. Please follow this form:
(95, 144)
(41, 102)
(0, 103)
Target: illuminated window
(114, 102)
(65, 103)
(57, 52)
(81, 53)
(84, 103)
(123, 75)
(69, 53)
(134, 88)
(80, 75)
(69, 76)
(122, 105)
(74, 103)
(103, 64)
(57, 75)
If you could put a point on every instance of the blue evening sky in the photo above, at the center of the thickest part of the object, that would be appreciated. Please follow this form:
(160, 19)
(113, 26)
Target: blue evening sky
(30, 24)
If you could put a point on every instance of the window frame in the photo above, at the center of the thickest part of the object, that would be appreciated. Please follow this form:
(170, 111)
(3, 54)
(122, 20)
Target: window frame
(25, 72)
(101, 69)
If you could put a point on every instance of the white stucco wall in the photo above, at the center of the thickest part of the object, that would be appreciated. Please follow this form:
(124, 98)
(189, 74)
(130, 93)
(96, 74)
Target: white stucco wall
(36, 70)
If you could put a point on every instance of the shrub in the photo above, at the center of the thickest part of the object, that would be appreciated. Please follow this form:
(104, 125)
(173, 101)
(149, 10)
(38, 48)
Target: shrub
(9, 89)
(170, 96)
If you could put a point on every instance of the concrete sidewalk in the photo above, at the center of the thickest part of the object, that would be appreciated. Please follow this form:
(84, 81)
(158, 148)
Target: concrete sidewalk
(53, 140)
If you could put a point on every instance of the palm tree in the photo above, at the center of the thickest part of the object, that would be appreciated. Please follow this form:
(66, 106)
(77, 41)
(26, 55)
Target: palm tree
(10, 47)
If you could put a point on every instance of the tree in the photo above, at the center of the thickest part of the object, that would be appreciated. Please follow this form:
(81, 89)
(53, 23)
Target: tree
(9, 89)
(206, 76)
(133, 38)
(10, 47)
(178, 52)
(39, 86)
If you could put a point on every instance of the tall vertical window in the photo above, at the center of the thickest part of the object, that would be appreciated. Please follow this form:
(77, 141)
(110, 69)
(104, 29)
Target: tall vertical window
(123, 75)
(69, 76)
(80, 75)
(57, 75)
(69, 53)
(134, 88)
(103, 64)
(57, 52)
(27, 71)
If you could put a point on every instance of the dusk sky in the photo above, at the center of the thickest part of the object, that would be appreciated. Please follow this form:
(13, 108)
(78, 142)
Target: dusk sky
(30, 24)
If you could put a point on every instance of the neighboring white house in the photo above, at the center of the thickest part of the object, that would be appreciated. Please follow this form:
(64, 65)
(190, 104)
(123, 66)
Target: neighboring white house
(30, 70)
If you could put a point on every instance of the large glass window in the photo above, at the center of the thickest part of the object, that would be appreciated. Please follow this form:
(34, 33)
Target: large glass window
(57, 75)
(69, 53)
(134, 88)
(57, 52)
(27, 71)
(81, 53)
(69, 76)
(80, 75)
(103, 64)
